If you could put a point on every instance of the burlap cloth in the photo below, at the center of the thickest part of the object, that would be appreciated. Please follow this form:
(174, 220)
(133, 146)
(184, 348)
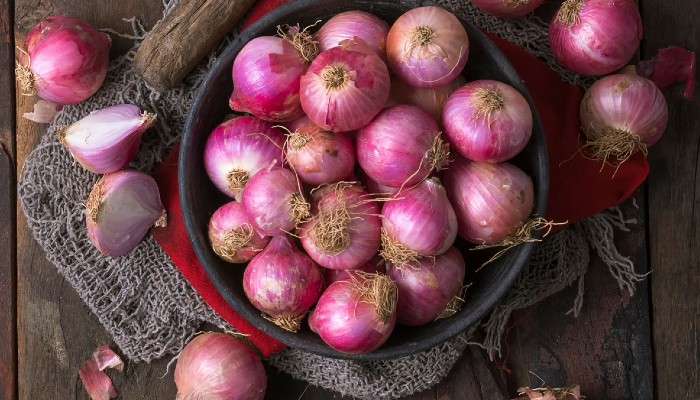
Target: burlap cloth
(151, 311)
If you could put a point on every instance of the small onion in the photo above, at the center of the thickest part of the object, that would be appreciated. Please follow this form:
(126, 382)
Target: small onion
(401, 147)
(375, 265)
(319, 156)
(345, 87)
(427, 290)
(233, 235)
(487, 121)
(217, 366)
(431, 100)
(108, 139)
(354, 25)
(356, 316)
(491, 200)
(595, 37)
(283, 282)
(508, 8)
(345, 231)
(121, 209)
(427, 47)
(237, 149)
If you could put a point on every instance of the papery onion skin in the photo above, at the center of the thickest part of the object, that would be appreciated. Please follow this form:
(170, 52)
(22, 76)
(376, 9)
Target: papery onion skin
(508, 8)
(68, 59)
(266, 75)
(487, 121)
(107, 140)
(345, 87)
(319, 156)
(283, 282)
(491, 200)
(237, 149)
(121, 209)
(393, 150)
(427, 47)
(232, 234)
(426, 289)
(354, 25)
(595, 37)
(431, 100)
(218, 366)
(375, 265)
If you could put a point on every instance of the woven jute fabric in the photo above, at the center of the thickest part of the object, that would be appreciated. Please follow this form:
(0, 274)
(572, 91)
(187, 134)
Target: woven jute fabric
(151, 311)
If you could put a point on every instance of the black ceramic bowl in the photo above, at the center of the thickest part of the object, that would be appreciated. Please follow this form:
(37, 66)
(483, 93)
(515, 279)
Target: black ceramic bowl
(200, 198)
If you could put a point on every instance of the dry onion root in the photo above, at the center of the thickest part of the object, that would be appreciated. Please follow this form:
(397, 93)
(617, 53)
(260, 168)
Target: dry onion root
(301, 39)
(232, 235)
(547, 393)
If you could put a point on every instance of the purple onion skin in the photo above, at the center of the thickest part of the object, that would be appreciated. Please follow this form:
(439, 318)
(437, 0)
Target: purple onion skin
(426, 289)
(431, 100)
(375, 265)
(392, 149)
(491, 200)
(354, 25)
(507, 8)
(232, 216)
(266, 75)
(267, 200)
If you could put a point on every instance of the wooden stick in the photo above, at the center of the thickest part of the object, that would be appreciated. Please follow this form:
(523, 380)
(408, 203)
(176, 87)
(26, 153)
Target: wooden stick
(184, 37)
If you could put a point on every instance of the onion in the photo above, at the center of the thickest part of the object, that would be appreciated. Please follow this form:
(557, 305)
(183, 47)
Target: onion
(671, 65)
(68, 60)
(491, 201)
(595, 37)
(621, 114)
(283, 282)
(487, 121)
(275, 202)
(508, 8)
(354, 25)
(344, 88)
(232, 234)
(319, 156)
(376, 188)
(401, 147)
(217, 366)
(120, 210)
(432, 100)
(345, 231)
(375, 265)
(429, 290)
(427, 47)
(356, 316)
(108, 139)
(418, 222)
(237, 149)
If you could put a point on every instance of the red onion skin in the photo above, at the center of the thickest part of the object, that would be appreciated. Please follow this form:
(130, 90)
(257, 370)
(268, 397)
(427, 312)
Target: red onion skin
(241, 143)
(605, 38)
(328, 157)
(421, 218)
(373, 266)
(495, 137)
(68, 59)
(436, 63)
(217, 366)
(431, 100)
(229, 217)
(354, 25)
(507, 8)
(268, 200)
(376, 188)
(491, 200)
(354, 103)
(626, 102)
(392, 149)
(266, 75)
(426, 289)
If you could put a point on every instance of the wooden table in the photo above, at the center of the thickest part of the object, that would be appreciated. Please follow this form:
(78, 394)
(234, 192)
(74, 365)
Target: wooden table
(641, 347)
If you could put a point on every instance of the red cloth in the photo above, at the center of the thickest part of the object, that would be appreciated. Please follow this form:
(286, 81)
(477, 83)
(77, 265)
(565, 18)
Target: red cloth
(578, 188)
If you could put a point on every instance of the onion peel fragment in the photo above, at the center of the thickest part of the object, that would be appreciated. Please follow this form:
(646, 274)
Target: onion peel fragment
(97, 384)
(670, 66)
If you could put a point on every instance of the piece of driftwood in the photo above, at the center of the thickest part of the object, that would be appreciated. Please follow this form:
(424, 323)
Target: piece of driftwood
(184, 37)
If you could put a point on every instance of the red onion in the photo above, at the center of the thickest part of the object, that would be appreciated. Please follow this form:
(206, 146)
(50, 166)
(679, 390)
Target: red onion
(487, 121)
(508, 8)
(431, 100)
(427, 47)
(217, 366)
(275, 202)
(621, 114)
(345, 231)
(671, 65)
(120, 210)
(595, 37)
(68, 60)
(233, 235)
(491, 201)
(237, 149)
(344, 88)
(401, 147)
(376, 188)
(319, 156)
(283, 282)
(354, 25)
(356, 316)
(375, 265)
(429, 288)
(418, 222)
(107, 140)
